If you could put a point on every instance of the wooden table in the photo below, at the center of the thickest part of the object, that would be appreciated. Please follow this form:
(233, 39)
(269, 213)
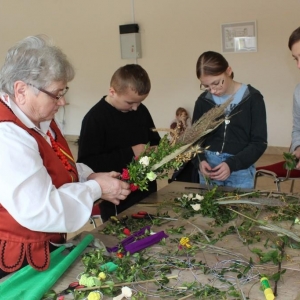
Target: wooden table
(288, 287)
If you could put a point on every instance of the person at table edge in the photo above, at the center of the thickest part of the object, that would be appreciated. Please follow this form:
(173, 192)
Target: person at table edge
(44, 193)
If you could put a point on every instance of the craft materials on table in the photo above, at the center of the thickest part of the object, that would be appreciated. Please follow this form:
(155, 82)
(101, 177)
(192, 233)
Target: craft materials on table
(146, 215)
(126, 293)
(133, 244)
(28, 277)
(72, 286)
(267, 289)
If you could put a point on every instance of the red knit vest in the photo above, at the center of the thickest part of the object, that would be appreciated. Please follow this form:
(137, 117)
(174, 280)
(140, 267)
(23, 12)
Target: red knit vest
(16, 241)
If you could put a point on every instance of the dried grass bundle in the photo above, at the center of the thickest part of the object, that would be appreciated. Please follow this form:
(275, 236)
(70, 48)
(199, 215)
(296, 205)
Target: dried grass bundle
(155, 163)
(206, 124)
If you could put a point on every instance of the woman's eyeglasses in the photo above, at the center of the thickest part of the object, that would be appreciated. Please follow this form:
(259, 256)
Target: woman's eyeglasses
(55, 97)
(213, 86)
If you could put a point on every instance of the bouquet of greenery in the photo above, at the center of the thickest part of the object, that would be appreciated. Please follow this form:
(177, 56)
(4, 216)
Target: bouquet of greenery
(172, 152)
(291, 161)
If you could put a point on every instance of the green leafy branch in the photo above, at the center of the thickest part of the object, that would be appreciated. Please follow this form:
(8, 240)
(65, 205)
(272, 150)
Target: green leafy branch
(291, 161)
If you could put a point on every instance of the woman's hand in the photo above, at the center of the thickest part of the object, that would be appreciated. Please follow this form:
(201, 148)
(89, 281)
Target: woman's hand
(113, 189)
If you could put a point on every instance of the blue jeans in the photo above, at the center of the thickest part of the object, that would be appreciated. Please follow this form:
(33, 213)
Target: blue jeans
(240, 179)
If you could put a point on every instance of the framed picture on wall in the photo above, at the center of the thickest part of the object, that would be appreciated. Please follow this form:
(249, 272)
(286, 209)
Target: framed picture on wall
(239, 37)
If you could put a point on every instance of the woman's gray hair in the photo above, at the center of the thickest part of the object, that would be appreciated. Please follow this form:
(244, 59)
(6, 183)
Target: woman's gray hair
(37, 61)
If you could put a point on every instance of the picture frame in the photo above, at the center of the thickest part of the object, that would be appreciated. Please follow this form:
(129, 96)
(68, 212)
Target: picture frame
(239, 37)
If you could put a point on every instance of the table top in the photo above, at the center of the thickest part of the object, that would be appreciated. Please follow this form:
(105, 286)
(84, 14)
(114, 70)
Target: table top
(237, 252)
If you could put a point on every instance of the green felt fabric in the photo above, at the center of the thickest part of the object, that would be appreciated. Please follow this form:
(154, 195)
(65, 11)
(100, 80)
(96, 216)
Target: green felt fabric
(30, 284)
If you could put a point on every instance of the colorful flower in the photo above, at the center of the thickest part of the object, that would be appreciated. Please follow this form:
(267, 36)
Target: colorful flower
(190, 196)
(151, 176)
(94, 296)
(144, 161)
(199, 197)
(196, 206)
(185, 242)
(86, 280)
(159, 159)
(125, 174)
(126, 231)
(102, 276)
(133, 187)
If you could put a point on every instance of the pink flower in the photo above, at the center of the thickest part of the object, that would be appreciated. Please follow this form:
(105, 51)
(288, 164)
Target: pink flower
(133, 187)
(125, 174)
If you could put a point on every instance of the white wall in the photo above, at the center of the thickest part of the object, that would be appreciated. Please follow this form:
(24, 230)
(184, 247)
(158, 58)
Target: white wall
(174, 33)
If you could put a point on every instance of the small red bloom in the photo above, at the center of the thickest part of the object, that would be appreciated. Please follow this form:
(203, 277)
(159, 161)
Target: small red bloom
(126, 231)
(120, 255)
(133, 187)
(125, 174)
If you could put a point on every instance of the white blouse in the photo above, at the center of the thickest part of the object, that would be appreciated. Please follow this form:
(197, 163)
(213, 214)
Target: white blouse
(26, 189)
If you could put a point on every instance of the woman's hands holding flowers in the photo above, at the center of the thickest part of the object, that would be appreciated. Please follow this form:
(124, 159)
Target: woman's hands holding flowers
(112, 188)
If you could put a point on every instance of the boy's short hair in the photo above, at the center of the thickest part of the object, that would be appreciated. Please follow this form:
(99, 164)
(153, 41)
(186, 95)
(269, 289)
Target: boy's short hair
(294, 38)
(131, 76)
(181, 110)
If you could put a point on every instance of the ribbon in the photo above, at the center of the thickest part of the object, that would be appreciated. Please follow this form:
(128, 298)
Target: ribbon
(30, 284)
(132, 245)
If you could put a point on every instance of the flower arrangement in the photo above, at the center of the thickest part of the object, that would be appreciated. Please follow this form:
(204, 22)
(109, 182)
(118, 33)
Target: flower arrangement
(172, 151)
(210, 204)
(143, 169)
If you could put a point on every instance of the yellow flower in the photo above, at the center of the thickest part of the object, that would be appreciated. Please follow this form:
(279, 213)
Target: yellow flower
(94, 296)
(102, 276)
(185, 242)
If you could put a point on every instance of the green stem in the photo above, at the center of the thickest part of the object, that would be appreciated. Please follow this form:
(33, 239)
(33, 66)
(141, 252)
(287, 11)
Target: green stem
(238, 195)
(122, 283)
(256, 221)
(186, 297)
(279, 267)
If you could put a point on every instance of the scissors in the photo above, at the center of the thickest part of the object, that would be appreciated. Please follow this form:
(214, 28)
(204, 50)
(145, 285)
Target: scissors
(72, 286)
(145, 215)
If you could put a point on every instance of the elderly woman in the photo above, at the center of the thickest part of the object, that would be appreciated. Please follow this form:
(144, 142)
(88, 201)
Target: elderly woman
(44, 194)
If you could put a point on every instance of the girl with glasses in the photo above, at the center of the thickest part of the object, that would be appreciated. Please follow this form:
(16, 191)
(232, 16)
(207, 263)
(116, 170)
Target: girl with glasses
(235, 146)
